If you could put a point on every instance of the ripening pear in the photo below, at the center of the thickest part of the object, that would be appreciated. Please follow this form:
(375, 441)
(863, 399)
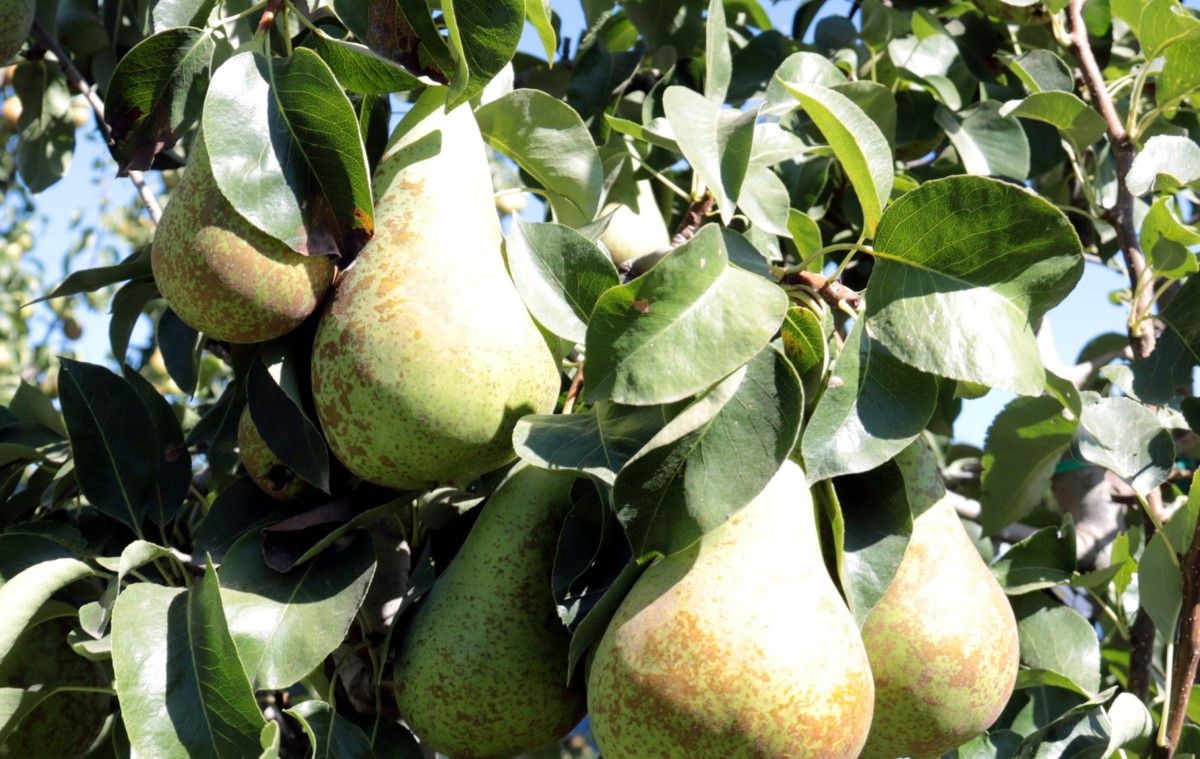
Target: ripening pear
(738, 647)
(223, 276)
(270, 474)
(426, 358)
(942, 642)
(16, 20)
(481, 671)
(634, 232)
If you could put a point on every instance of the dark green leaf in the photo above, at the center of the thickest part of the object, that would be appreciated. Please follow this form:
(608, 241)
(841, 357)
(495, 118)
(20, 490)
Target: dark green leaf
(360, 69)
(483, 38)
(174, 461)
(1042, 71)
(128, 303)
(1024, 444)
(283, 424)
(90, 280)
(330, 735)
(1078, 121)
(180, 345)
(1044, 559)
(1057, 639)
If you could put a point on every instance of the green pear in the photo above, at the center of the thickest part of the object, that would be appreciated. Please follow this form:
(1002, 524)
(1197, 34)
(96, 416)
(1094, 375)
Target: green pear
(738, 646)
(481, 670)
(16, 20)
(426, 358)
(942, 642)
(271, 475)
(223, 276)
(634, 232)
(66, 723)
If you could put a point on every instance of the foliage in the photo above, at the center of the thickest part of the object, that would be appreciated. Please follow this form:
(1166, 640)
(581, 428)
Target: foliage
(875, 214)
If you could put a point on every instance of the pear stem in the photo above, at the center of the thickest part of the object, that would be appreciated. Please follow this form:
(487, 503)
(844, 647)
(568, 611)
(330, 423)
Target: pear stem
(77, 80)
(573, 391)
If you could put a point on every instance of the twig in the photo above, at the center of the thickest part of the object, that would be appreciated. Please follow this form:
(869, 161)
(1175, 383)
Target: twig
(831, 291)
(83, 88)
(693, 219)
(573, 391)
(1142, 341)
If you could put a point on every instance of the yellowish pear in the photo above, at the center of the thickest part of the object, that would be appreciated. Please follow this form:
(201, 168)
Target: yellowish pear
(635, 231)
(739, 647)
(426, 358)
(942, 642)
(223, 276)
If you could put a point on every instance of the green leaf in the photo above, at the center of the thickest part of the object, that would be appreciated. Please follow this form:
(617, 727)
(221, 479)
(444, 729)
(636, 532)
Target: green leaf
(116, 462)
(182, 690)
(1182, 316)
(128, 304)
(285, 624)
(330, 735)
(1078, 121)
(716, 141)
(806, 346)
(1022, 449)
(560, 275)
(800, 68)
(685, 324)
(1126, 438)
(483, 38)
(1057, 639)
(873, 407)
(1180, 72)
(283, 423)
(156, 94)
(1165, 241)
(712, 459)
(1165, 163)
(168, 14)
(987, 143)
(30, 404)
(857, 143)
(285, 149)
(546, 138)
(1043, 560)
(924, 57)
(90, 280)
(718, 63)
(174, 462)
(878, 524)
(597, 442)
(538, 13)
(95, 616)
(971, 263)
(47, 134)
(1160, 580)
(592, 627)
(181, 346)
(765, 200)
(358, 68)
(1042, 71)
(1163, 23)
(32, 569)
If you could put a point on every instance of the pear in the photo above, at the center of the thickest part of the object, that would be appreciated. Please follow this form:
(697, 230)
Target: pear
(16, 20)
(271, 475)
(738, 646)
(223, 276)
(634, 232)
(482, 668)
(426, 358)
(942, 642)
(65, 724)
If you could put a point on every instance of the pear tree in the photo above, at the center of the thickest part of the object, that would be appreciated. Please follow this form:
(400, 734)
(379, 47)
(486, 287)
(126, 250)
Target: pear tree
(539, 379)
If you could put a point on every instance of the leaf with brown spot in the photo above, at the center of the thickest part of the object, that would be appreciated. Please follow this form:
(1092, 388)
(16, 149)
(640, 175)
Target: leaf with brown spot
(156, 93)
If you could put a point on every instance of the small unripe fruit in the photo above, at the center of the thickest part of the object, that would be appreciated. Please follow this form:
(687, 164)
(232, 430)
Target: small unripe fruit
(12, 110)
(72, 329)
(264, 467)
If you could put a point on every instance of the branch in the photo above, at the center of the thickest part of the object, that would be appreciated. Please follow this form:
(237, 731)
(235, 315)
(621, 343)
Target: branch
(1142, 341)
(83, 88)
(692, 220)
(831, 291)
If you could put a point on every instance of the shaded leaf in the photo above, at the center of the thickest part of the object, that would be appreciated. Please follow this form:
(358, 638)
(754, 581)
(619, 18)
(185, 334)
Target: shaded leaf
(716, 141)
(1126, 438)
(32, 569)
(330, 735)
(1078, 121)
(987, 142)
(1057, 639)
(1022, 449)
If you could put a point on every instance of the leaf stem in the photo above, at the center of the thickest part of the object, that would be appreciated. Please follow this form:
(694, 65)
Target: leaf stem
(221, 22)
(655, 172)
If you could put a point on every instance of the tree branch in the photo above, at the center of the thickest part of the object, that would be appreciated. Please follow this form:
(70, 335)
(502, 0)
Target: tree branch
(1141, 341)
(75, 77)
(693, 219)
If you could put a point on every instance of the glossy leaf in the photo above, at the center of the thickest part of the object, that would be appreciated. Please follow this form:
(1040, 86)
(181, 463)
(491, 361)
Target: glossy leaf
(873, 407)
(174, 461)
(968, 263)
(280, 135)
(358, 68)
(1057, 639)
(1078, 121)
(183, 692)
(285, 624)
(1165, 241)
(560, 275)
(857, 142)
(682, 326)
(330, 735)
(712, 459)
(546, 138)
(1044, 559)
(156, 94)
(482, 39)
(717, 143)
(283, 423)
(806, 346)
(32, 569)
(538, 13)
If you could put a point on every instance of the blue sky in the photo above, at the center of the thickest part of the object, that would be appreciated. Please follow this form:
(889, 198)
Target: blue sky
(91, 183)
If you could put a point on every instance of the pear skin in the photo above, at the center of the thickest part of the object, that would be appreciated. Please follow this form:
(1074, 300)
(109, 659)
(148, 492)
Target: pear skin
(738, 646)
(634, 232)
(481, 671)
(223, 276)
(264, 467)
(426, 357)
(16, 19)
(943, 645)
